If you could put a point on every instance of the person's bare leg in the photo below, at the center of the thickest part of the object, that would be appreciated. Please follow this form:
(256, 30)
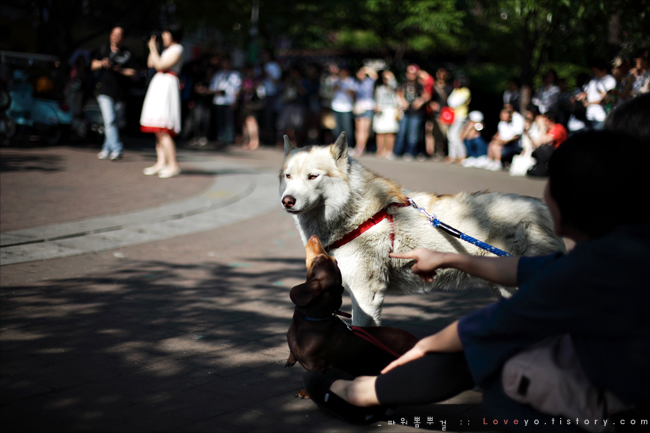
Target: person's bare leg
(359, 392)
(160, 157)
(253, 133)
(390, 143)
(428, 137)
(169, 150)
(362, 133)
(381, 145)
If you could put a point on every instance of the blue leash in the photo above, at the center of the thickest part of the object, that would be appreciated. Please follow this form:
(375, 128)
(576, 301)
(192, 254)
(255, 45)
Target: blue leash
(435, 222)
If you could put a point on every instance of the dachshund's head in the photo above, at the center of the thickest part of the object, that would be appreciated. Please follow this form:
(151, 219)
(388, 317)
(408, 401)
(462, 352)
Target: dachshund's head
(322, 292)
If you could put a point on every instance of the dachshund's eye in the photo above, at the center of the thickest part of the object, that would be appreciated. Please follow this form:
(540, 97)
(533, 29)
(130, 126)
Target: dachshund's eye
(288, 176)
(312, 176)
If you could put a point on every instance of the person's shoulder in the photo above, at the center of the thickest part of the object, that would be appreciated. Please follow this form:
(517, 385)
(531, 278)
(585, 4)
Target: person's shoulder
(609, 81)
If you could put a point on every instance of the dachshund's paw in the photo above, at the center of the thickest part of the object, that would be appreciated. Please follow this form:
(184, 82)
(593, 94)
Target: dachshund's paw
(302, 394)
(289, 364)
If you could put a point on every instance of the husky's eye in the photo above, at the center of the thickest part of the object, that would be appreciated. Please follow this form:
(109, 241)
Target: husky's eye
(312, 176)
(288, 176)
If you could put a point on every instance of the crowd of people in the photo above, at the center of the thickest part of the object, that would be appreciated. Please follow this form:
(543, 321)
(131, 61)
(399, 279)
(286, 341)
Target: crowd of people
(409, 114)
(417, 115)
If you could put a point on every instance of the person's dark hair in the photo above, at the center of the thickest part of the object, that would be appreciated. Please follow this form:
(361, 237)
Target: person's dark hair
(554, 73)
(631, 117)
(599, 64)
(551, 115)
(176, 31)
(597, 179)
(463, 80)
(533, 109)
(125, 30)
(582, 79)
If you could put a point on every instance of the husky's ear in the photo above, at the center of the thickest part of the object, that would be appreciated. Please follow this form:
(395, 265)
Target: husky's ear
(302, 294)
(340, 147)
(288, 147)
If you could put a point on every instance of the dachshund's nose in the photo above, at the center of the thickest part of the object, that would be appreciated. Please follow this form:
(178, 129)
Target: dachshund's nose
(288, 201)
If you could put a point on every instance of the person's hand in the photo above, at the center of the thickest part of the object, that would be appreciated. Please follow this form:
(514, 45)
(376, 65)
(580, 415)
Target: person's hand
(416, 352)
(426, 262)
(153, 46)
(106, 63)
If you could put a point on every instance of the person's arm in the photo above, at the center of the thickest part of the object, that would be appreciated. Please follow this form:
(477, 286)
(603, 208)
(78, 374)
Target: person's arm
(423, 99)
(499, 270)
(446, 340)
(155, 61)
(545, 138)
(127, 72)
(371, 73)
(97, 64)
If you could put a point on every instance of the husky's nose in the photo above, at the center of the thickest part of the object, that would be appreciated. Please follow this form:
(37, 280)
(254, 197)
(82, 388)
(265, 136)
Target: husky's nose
(288, 201)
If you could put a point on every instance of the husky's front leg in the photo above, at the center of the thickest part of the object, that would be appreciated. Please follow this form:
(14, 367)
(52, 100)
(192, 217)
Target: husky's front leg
(366, 306)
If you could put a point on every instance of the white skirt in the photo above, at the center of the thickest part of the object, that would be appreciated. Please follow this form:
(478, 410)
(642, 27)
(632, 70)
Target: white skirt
(386, 121)
(161, 110)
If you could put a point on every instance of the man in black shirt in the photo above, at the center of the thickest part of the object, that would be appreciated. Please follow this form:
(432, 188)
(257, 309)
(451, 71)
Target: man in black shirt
(117, 68)
(412, 98)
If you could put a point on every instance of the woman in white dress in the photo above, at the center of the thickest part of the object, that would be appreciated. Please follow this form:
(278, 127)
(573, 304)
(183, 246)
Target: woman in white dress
(385, 123)
(161, 111)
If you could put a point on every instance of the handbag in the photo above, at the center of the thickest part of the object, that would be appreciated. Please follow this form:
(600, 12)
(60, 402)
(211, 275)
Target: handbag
(548, 376)
(447, 115)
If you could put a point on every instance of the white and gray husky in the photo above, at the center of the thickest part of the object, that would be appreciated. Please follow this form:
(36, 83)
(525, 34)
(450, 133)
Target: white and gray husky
(361, 217)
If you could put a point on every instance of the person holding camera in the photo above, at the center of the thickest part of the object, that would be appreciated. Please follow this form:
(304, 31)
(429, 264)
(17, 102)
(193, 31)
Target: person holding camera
(161, 110)
(116, 66)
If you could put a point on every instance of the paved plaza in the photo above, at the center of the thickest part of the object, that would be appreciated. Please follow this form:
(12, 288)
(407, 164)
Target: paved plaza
(130, 303)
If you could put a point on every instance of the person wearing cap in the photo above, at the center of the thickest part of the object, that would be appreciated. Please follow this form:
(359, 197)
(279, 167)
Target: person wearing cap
(475, 145)
(412, 97)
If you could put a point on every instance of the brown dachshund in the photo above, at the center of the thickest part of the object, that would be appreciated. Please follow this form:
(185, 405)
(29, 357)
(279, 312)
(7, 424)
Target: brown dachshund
(318, 339)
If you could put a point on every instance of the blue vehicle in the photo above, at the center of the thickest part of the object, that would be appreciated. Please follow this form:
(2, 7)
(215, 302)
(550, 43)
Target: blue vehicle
(29, 115)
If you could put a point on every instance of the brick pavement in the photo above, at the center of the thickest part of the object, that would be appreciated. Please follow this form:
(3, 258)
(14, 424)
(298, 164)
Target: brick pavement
(70, 183)
(188, 333)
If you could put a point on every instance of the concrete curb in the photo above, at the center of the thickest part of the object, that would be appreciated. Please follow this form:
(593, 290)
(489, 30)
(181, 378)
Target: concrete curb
(237, 194)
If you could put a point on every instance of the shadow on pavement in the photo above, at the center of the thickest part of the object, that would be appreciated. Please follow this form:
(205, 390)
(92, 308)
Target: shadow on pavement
(163, 346)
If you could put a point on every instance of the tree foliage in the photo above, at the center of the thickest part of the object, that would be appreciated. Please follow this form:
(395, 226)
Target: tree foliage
(525, 35)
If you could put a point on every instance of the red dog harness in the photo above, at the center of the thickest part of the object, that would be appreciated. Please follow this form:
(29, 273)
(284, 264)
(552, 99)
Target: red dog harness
(373, 221)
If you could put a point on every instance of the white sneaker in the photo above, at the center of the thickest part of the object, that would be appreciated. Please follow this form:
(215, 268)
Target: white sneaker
(407, 157)
(495, 166)
(152, 170)
(115, 156)
(468, 162)
(482, 161)
(103, 154)
(167, 173)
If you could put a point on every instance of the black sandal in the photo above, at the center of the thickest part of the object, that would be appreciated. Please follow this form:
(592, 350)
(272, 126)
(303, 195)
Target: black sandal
(318, 386)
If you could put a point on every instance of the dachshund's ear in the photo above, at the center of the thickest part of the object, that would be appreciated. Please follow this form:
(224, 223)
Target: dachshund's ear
(302, 294)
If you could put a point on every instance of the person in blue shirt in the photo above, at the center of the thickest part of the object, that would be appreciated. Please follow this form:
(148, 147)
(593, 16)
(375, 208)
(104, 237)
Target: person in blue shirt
(598, 294)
